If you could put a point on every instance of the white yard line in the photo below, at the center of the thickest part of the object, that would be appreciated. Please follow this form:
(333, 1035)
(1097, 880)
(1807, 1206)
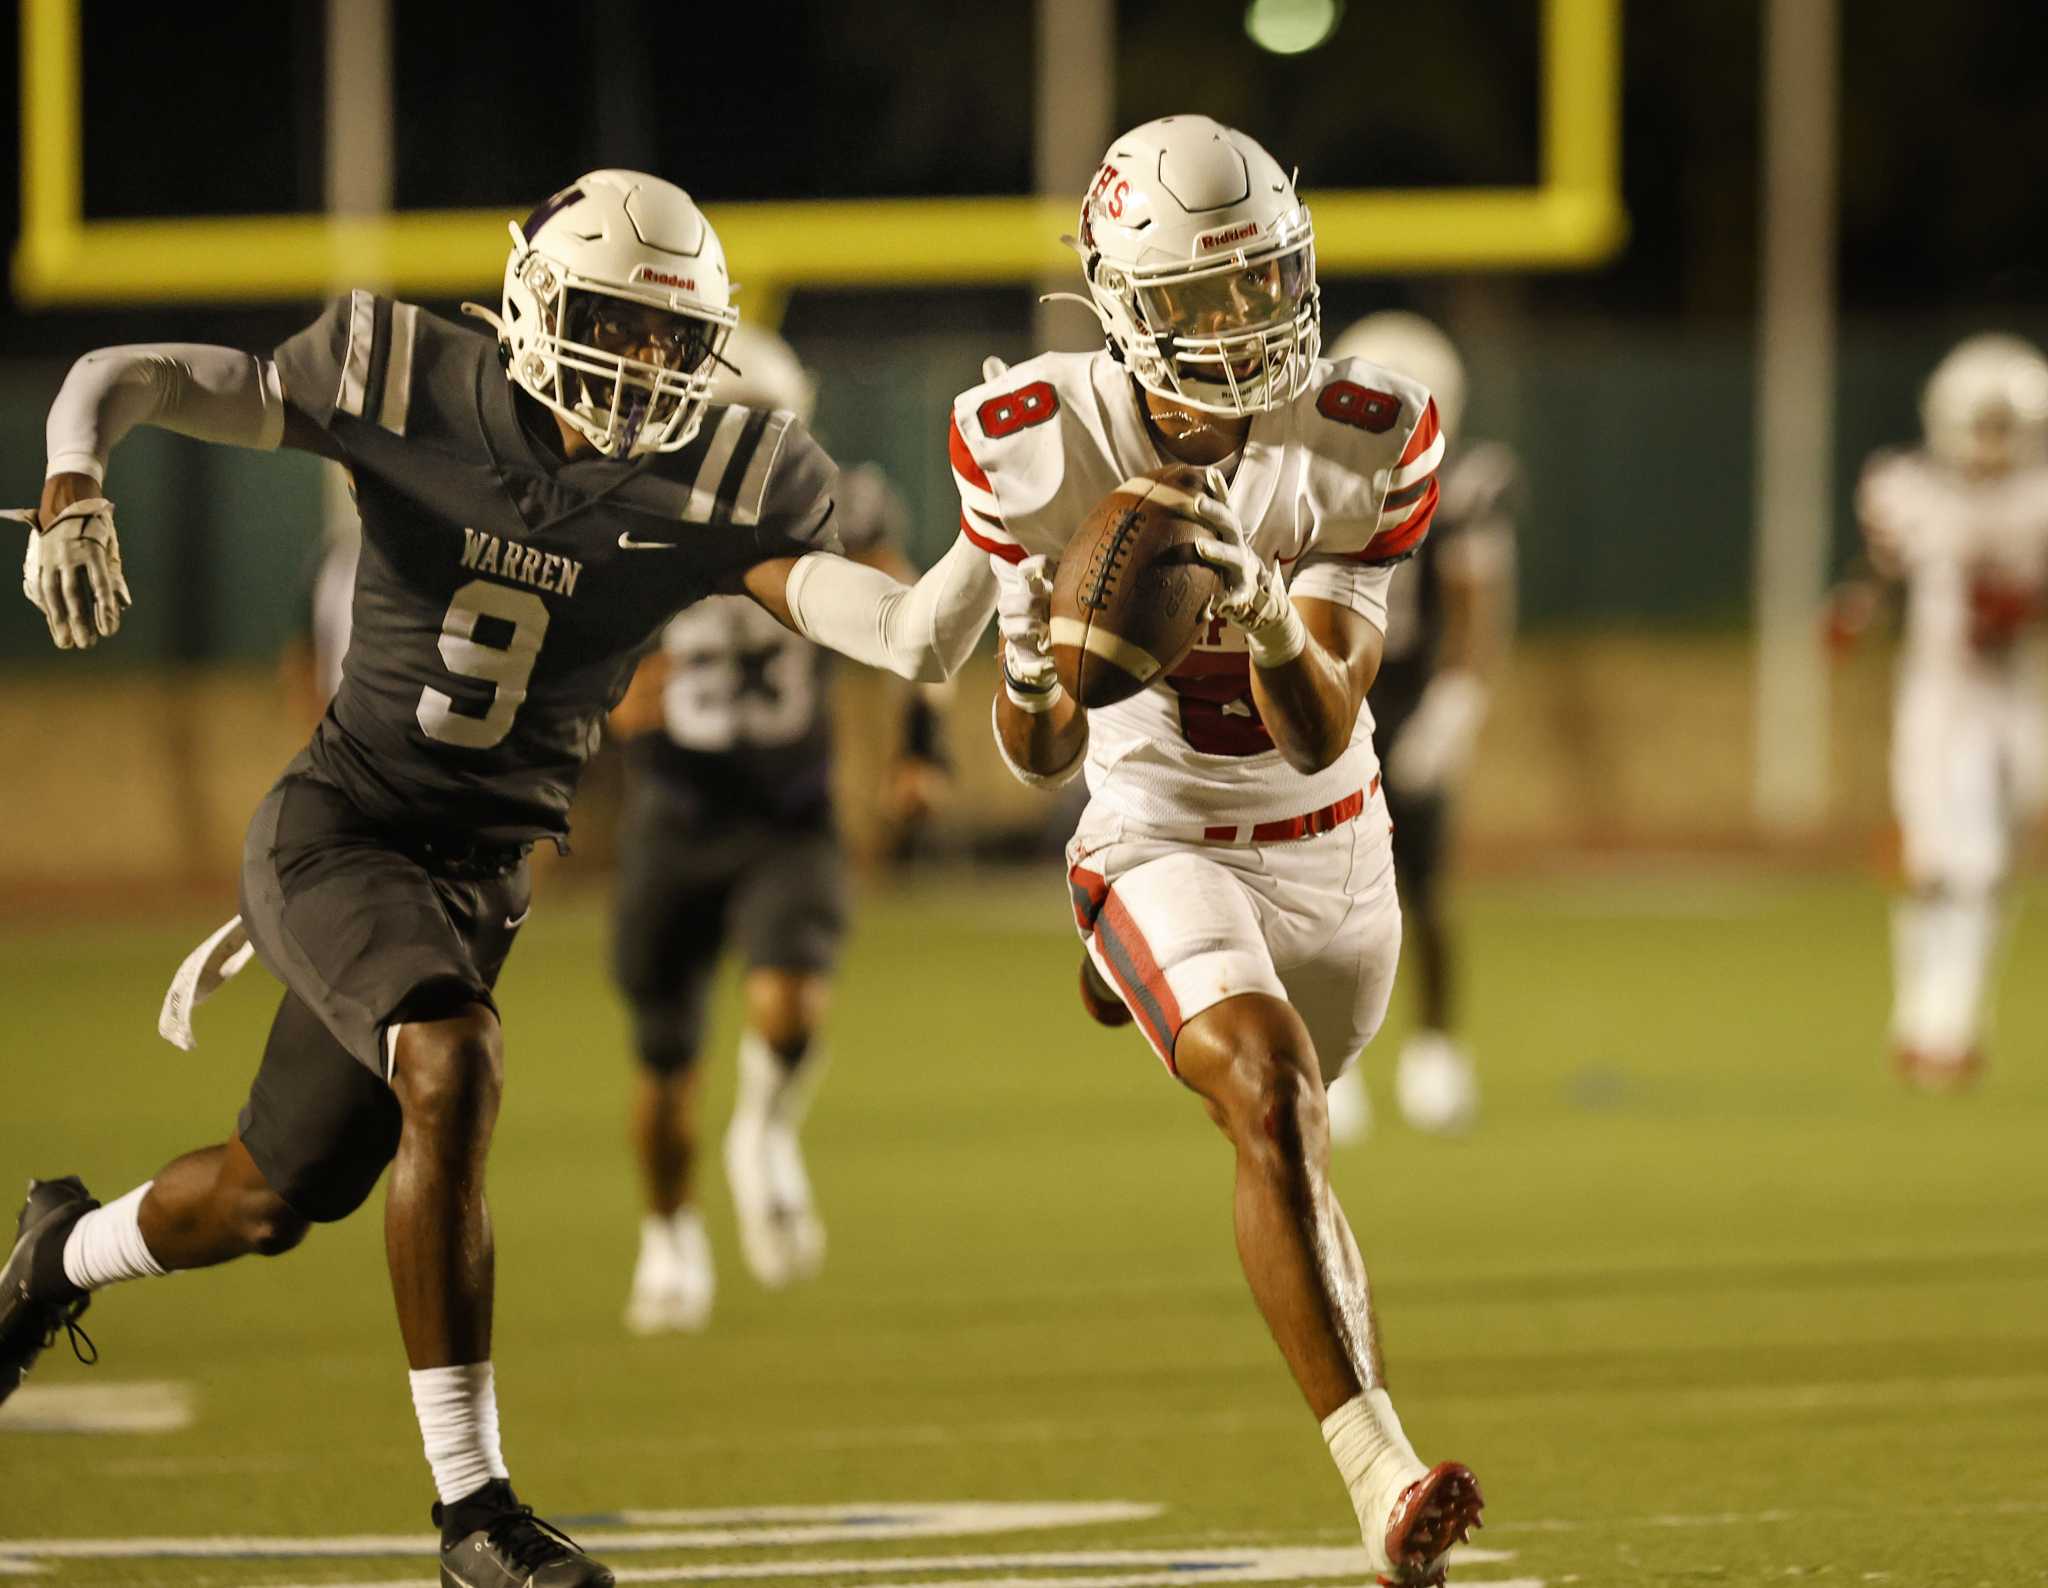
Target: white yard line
(148, 1406)
(1177, 1566)
(784, 1525)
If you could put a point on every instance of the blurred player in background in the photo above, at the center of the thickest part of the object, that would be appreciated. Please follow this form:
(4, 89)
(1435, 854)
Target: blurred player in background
(536, 504)
(1448, 624)
(1231, 877)
(1962, 524)
(727, 836)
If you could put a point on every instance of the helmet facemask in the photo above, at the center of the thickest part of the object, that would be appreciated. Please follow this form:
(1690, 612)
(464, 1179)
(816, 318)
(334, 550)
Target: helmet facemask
(1232, 334)
(628, 370)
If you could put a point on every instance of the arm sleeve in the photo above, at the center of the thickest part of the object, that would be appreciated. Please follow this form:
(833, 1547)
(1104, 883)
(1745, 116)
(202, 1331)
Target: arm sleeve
(922, 632)
(212, 393)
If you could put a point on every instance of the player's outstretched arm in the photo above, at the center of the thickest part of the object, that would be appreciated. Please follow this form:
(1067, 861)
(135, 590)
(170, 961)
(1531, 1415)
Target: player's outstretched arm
(922, 632)
(73, 568)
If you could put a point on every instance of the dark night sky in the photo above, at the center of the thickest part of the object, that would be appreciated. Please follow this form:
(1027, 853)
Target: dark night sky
(1944, 126)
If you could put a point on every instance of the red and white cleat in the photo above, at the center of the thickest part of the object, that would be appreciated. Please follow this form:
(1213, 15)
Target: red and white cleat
(1434, 1512)
(1945, 1073)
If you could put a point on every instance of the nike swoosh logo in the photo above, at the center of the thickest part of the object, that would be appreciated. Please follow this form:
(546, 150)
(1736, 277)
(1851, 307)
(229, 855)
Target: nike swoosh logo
(630, 544)
(513, 922)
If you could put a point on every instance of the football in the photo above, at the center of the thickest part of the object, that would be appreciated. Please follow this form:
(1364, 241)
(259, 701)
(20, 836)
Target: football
(1130, 595)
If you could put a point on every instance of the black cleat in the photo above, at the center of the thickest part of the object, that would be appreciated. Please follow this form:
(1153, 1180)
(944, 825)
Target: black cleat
(490, 1540)
(36, 1300)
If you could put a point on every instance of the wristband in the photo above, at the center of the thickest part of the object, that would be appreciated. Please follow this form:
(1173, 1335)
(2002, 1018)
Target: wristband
(1032, 702)
(1279, 646)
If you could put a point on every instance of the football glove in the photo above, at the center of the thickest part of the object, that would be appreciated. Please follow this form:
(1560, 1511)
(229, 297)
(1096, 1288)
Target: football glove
(1024, 620)
(1253, 597)
(72, 572)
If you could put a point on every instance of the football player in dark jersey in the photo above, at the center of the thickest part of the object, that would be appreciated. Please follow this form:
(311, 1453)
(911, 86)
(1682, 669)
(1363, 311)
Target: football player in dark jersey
(1446, 630)
(536, 504)
(727, 835)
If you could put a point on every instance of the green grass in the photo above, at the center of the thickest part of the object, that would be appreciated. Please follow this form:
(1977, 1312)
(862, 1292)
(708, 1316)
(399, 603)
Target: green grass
(1707, 1298)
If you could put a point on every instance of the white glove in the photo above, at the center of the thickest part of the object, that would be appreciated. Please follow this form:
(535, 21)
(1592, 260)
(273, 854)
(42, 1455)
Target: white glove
(72, 572)
(1253, 596)
(1024, 619)
(1434, 748)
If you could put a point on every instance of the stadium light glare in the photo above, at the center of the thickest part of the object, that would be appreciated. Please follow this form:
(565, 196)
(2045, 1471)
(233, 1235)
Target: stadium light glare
(1291, 27)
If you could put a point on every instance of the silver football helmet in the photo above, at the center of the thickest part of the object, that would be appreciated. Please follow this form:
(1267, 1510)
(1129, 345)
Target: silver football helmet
(616, 308)
(1985, 407)
(1201, 266)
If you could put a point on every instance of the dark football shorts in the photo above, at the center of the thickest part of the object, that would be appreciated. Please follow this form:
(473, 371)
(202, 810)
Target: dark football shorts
(686, 891)
(366, 928)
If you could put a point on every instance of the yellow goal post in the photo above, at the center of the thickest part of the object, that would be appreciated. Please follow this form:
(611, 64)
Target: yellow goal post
(1572, 217)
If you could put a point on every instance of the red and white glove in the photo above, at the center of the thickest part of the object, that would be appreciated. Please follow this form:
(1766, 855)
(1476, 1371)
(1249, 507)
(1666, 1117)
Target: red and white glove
(1253, 596)
(72, 572)
(1024, 620)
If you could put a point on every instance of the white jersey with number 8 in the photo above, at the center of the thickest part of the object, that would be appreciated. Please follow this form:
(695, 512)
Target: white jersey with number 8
(1334, 487)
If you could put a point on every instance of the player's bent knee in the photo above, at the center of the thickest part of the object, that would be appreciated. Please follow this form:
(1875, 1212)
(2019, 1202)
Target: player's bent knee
(274, 1230)
(449, 1073)
(1256, 1068)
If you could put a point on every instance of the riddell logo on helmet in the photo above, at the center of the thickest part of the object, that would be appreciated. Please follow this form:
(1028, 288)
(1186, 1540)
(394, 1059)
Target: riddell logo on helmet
(1229, 235)
(661, 278)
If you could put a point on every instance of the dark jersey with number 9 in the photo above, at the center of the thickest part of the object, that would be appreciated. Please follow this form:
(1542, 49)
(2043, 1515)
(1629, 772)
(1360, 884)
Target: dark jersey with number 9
(503, 595)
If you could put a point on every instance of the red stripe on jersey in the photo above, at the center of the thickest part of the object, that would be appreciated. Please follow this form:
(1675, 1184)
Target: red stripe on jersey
(963, 460)
(1422, 437)
(1405, 536)
(1008, 550)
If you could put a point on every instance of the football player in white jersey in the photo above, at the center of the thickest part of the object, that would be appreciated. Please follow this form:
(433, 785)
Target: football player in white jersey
(1231, 876)
(1963, 525)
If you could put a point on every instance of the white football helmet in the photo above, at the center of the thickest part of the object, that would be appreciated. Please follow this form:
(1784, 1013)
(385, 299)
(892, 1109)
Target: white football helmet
(616, 309)
(1985, 407)
(762, 371)
(1201, 266)
(1410, 345)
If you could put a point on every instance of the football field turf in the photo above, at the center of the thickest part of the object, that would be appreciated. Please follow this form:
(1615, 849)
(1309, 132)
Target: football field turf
(1706, 1298)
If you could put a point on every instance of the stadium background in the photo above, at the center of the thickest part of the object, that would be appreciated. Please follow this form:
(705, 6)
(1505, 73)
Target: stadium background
(1693, 1174)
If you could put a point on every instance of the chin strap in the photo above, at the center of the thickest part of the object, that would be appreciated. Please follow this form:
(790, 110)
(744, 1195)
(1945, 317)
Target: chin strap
(476, 311)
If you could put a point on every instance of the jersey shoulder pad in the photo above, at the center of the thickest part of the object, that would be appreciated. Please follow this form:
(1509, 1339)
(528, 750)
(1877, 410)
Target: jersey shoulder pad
(1899, 498)
(1011, 441)
(785, 481)
(1373, 449)
(365, 358)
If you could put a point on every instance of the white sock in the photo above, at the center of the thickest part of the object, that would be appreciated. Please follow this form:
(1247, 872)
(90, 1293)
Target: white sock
(458, 1413)
(1375, 1460)
(1943, 947)
(107, 1245)
(684, 1231)
(657, 1239)
(772, 1088)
